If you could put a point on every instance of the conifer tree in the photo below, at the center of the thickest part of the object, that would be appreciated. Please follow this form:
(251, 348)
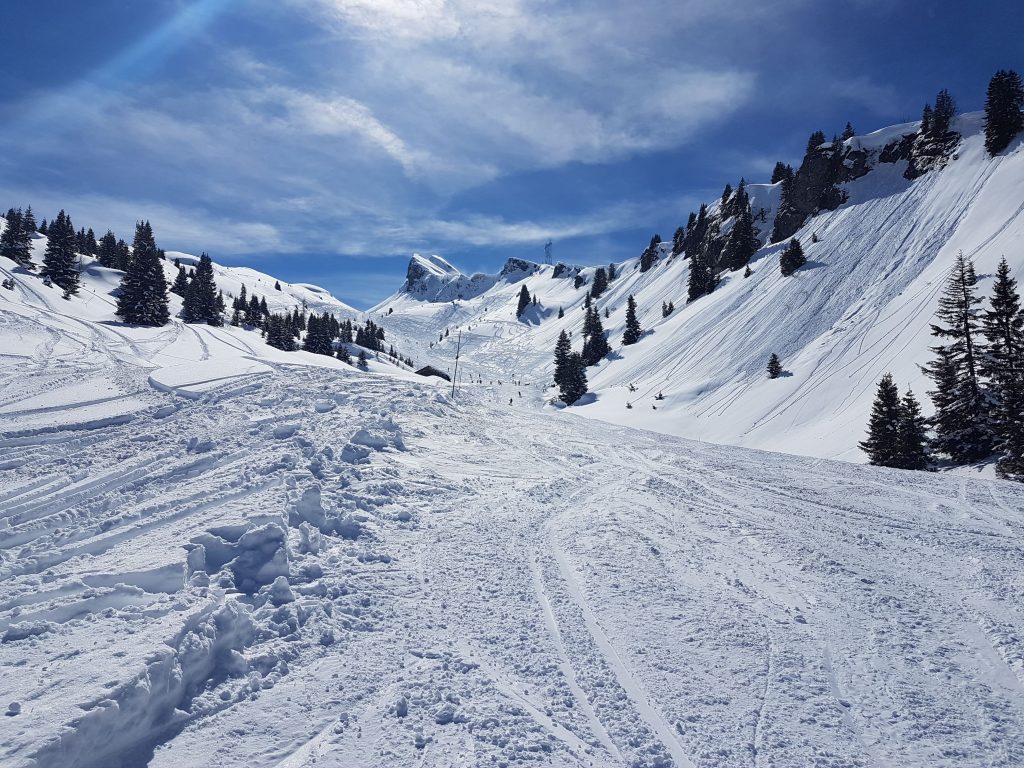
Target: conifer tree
(650, 254)
(363, 360)
(561, 313)
(16, 240)
(679, 241)
(742, 242)
(343, 353)
(106, 252)
(595, 347)
(563, 348)
(962, 430)
(574, 385)
(277, 285)
(612, 273)
(180, 284)
(883, 442)
(524, 301)
(60, 263)
(278, 333)
(1003, 365)
(1003, 104)
(774, 366)
(848, 132)
(782, 172)
(792, 258)
(28, 222)
(600, 284)
(633, 332)
(319, 335)
(942, 116)
(124, 256)
(816, 140)
(912, 435)
(143, 297)
(200, 305)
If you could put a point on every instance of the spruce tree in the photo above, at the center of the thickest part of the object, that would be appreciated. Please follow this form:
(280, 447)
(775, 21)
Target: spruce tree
(774, 366)
(180, 284)
(563, 349)
(848, 132)
(612, 272)
(942, 116)
(679, 241)
(633, 332)
(600, 284)
(318, 335)
(650, 254)
(1003, 365)
(201, 304)
(16, 240)
(524, 301)
(962, 430)
(343, 353)
(912, 435)
(1003, 104)
(561, 313)
(883, 442)
(575, 384)
(792, 258)
(60, 264)
(742, 242)
(363, 361)
(106, 252)
(277, 285)
(143, 297)
(595, 347)
(782, 172)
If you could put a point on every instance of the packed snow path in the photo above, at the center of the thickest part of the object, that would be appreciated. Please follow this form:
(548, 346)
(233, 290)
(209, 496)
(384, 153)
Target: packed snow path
(322, 567)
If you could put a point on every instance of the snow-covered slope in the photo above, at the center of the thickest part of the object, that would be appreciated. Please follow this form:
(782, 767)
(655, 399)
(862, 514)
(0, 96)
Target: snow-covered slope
(314, 567)
(859, 308)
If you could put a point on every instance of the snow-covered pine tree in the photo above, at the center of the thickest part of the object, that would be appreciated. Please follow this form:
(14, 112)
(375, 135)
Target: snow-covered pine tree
(962, 428)
(912, 434)
(1002, 363)
(143, 297)
(774, 366)
(1003, 104)
(363, 360)
(60, 263)
(883, 441)
(792, 258)
(633, 332)
(343, 353)
(524, 301)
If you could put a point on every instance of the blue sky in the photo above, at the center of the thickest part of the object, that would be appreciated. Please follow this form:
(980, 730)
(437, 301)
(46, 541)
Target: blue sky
(326, 140)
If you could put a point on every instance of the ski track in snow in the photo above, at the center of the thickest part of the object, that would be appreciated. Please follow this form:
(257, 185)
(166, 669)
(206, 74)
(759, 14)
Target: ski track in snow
(476, 585)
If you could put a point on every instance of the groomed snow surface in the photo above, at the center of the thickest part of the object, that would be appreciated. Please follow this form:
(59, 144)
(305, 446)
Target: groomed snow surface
(252, 559)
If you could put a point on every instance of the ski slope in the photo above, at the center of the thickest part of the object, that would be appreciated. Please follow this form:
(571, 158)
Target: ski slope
(861, 307)
(313, 566)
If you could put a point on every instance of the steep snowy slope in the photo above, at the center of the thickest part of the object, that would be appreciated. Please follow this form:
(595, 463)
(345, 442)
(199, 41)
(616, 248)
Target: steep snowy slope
(859, 308)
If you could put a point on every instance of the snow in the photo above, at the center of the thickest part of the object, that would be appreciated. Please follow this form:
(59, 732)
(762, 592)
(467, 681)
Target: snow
(213, 553)
(860, 308)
